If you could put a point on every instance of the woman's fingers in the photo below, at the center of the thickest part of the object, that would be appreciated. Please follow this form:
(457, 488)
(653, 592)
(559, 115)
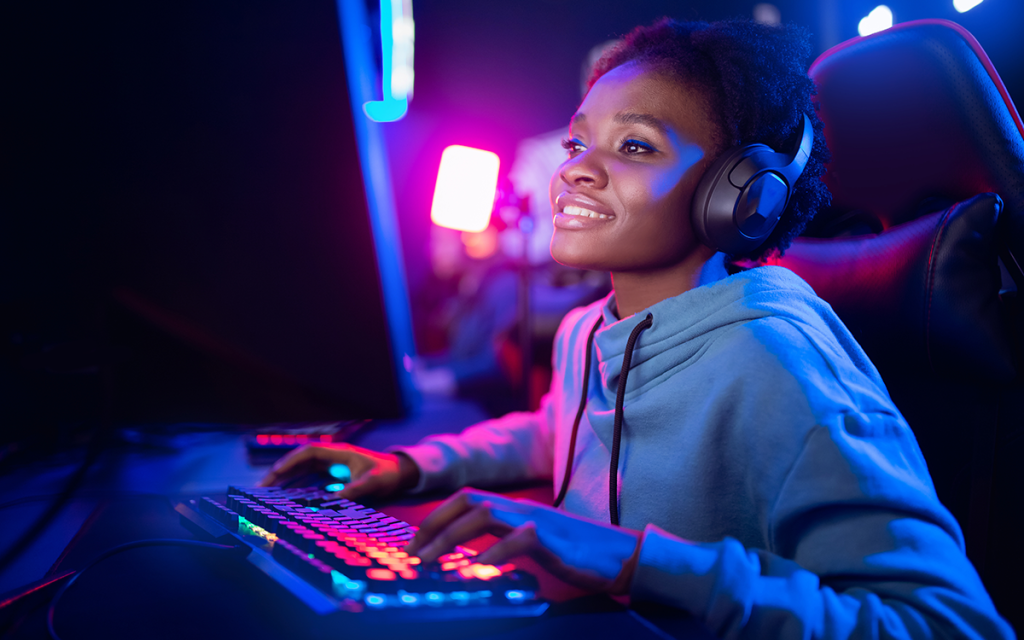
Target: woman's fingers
(521, 542)
(293, 463)
(368, 484)
(451, 509)
(309, 458)
(472, 523)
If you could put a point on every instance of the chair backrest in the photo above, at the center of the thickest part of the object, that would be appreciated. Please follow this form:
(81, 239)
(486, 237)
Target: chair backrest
(915, 112)
(928, 158)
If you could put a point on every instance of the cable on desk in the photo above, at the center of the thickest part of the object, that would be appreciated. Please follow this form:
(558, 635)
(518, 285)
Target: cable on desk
(50, 613)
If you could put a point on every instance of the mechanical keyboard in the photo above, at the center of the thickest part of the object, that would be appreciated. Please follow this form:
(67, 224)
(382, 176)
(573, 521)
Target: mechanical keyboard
(337, 555)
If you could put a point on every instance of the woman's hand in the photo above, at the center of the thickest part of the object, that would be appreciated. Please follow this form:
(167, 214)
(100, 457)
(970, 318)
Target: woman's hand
(373, 473)
(587, 554)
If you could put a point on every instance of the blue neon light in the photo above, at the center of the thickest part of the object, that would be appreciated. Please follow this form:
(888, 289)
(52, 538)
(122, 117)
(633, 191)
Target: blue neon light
(387, 110)
(391, 107)
(376, 174)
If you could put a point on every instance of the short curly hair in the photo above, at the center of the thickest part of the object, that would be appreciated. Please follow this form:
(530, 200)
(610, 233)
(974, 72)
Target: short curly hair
(754, 79)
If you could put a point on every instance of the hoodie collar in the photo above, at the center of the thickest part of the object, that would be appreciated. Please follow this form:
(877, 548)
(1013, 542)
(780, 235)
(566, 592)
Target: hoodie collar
(611, 337)
(685, 323)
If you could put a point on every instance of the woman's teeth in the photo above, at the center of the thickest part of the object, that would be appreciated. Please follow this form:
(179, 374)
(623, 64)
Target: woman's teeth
(573, 210)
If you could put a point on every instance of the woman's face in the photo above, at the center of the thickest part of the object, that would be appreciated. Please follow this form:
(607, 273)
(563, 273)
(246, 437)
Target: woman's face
(637, 147)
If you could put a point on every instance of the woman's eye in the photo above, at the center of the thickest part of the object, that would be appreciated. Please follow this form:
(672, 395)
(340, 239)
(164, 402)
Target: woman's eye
(573, 146)
(636, 147)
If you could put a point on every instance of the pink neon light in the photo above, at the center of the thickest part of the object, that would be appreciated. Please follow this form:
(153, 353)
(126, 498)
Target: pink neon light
(464, 194)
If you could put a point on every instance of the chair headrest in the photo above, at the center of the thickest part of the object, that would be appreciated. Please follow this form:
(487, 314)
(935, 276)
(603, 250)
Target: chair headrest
(918, 111)
(920, 296)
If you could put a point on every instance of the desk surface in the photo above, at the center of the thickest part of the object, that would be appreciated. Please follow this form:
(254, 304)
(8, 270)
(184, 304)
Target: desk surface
(177, 592)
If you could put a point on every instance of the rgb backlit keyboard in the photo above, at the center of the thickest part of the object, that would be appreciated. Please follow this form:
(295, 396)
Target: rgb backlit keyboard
(354, 556)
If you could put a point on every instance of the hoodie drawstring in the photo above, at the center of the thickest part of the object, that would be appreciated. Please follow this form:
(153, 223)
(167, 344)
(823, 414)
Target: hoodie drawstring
(627, 357)
(579, 414)
(613, 471)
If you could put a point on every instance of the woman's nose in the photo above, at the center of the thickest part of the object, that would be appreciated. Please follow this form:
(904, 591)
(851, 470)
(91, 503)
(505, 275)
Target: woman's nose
(584, 169)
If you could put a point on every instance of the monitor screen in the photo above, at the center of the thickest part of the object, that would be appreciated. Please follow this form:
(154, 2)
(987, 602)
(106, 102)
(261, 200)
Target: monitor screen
(191, 225)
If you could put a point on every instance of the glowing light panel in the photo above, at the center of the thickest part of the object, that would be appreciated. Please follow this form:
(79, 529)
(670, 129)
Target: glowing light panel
(879, 19)
(464, 193)
(965, 5)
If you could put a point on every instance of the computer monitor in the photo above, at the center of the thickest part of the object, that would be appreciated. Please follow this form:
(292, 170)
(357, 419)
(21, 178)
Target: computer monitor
(191, 233)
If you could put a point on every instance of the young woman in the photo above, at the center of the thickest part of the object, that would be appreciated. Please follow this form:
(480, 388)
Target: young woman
(749, 459)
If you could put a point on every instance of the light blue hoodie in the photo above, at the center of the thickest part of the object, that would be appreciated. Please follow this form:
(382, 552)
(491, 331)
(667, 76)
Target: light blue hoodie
(780, 491)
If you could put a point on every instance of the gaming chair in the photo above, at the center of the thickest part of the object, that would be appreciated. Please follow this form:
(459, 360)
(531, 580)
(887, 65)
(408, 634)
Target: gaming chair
(920, 255)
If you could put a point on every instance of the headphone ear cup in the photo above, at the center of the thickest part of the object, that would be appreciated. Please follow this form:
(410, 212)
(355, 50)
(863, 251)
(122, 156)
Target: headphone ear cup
(716, 199)
(740, 198)
(760, 206)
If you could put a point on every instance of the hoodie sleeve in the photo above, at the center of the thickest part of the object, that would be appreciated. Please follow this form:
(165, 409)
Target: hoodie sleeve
(861, 549)
(518, 446)
(513, 448)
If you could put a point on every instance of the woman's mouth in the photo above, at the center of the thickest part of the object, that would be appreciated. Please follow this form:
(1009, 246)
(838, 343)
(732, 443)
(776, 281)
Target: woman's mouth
(575, 217)
(573, 210)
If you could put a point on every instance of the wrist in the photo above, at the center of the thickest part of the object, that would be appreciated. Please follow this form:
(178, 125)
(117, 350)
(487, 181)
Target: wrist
(624, 580)
(408, 472)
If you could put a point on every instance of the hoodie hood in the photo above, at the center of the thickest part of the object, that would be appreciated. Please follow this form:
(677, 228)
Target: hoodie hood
(684, 326)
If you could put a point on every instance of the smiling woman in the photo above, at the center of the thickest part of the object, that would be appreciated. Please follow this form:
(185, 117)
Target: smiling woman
(745, 452)
(621, 201)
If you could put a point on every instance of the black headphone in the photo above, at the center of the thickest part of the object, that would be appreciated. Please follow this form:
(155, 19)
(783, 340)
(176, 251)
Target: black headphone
(741, 197)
